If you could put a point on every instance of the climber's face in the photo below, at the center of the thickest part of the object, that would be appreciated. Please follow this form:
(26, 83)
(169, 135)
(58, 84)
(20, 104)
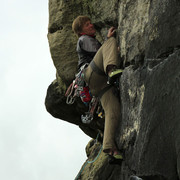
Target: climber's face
(88, 28)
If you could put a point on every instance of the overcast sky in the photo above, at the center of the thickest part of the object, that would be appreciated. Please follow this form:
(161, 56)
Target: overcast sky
(33, 144)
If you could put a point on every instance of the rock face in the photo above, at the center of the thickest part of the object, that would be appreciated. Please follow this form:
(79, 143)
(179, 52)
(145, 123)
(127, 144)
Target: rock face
(149, 132)
(148, 34)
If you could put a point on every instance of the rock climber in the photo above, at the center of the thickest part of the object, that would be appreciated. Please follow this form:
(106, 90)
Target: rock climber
(102, 67)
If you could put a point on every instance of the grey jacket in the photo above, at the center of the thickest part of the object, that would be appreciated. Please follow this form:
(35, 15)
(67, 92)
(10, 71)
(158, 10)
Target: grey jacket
(87, 47)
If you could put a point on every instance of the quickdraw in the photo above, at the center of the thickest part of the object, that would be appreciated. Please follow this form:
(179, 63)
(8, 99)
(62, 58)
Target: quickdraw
(70, 93)
(75, 88)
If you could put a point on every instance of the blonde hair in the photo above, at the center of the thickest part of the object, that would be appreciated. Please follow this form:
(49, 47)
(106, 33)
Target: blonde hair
(78, 24)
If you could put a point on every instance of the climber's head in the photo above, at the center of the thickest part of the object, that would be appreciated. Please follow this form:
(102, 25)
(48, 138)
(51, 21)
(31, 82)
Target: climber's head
(82, 25)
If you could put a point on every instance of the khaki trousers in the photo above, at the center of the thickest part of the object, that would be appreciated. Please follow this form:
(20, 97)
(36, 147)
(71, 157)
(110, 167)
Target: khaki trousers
(106, 55)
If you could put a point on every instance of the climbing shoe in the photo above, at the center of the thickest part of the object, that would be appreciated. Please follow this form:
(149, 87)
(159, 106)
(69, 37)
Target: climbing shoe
(115, 159)
(113, 74)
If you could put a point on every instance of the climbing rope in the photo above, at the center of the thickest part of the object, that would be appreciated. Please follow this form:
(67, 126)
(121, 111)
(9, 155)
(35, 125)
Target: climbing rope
(90, 162)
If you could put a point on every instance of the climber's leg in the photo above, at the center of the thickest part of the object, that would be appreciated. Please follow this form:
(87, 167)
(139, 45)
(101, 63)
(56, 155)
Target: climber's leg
(110, 53)
(111, 106)
(106, 59)
(95, 81)
(107, 55)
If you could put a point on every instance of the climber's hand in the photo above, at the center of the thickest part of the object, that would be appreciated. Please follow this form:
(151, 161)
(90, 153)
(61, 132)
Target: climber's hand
(111, 32)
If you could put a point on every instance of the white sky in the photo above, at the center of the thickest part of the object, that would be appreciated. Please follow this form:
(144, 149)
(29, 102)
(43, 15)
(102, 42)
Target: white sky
(33, 144)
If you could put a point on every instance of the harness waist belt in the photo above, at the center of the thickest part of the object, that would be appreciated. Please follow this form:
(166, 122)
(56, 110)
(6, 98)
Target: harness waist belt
(96, 69)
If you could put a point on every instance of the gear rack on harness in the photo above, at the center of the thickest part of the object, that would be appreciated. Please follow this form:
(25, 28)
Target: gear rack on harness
(78, 88)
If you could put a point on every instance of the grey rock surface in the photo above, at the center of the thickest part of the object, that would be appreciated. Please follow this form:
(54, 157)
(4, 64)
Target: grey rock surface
(148, 34)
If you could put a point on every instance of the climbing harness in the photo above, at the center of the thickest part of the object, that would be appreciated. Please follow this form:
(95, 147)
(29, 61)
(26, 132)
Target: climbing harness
(90, 162)
(79, 88)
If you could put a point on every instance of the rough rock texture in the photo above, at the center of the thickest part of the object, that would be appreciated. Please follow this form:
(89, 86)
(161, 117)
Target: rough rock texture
(149, 132)
(148, 34)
